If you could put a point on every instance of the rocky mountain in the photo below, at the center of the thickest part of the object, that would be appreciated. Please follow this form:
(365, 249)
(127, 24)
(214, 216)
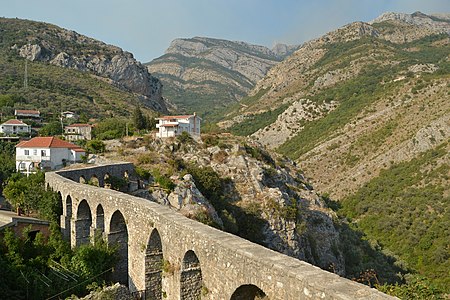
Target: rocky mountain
(45, 45)
(365, 112)
(204, 74)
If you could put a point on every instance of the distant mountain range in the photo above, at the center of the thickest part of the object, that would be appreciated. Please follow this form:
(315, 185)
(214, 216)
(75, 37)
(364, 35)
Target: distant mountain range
(205, 74)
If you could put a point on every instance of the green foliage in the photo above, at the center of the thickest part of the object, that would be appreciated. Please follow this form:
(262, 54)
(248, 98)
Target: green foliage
(185, 138)
(139, 120)
(253, 123)
(30, 195)
(260, 154)
(112, 128)
(38, 267)
(95, 146)
(117, 183)
(406, 209)
(51, 129)
(7, 161)
(417, 287)
(163, 180)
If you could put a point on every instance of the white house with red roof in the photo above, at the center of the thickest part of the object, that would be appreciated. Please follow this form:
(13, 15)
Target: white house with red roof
(76, 132)
(46, 153)
(170, 126)
(14, 126)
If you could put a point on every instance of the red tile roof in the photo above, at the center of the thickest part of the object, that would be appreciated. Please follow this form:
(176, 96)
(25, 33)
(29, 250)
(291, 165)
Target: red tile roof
(48, 142)
(79, 125)
(174, 117)
(169, 125)
(27, 112)
(14, 122)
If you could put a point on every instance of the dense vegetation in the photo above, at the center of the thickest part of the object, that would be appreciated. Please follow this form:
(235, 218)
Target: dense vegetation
(406, 211)
(33, 266)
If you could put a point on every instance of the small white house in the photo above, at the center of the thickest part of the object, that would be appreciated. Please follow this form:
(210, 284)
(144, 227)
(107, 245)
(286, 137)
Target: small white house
(170, 126)
(46, 153)
(14, 126)
(77, 132)
(69, 115)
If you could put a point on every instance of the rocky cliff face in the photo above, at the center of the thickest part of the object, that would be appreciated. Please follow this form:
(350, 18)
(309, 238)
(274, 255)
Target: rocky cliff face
(201, 73)
(68, 49)
(262, 198)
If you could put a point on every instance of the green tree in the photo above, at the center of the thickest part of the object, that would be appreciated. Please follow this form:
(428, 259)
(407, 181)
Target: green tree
(51, 129)
(139, 120)
(95, 146)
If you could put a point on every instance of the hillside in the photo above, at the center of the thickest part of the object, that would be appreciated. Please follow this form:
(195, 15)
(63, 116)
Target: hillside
(365, 111)
(69, 71)
(205, 74)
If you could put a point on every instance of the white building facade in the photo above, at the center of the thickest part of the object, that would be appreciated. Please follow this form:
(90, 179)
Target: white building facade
(171, 126)
(46, 153)
(76, 132)
(14, 126)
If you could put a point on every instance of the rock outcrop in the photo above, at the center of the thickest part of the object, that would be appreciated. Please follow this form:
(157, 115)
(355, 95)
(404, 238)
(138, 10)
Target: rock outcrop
(68, 49)
(264, 199)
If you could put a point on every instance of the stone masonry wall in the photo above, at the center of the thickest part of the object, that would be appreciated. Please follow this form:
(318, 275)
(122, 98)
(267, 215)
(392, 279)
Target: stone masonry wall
(226, 262)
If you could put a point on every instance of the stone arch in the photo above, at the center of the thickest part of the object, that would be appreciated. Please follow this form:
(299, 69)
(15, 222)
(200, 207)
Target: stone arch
(82, 179)
(191, 277)
(118, 236)
(153, 266)
(99, 221)
(249, 292)
(83, 224)
(67, 218)
(94, 180)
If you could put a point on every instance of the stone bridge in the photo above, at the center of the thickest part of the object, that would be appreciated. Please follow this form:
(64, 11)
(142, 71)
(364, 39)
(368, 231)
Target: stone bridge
(172, 257)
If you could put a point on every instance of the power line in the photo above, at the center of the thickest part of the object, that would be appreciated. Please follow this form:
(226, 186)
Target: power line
(79, 284)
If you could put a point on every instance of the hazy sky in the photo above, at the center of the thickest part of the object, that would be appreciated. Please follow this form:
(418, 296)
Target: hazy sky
(146, 27)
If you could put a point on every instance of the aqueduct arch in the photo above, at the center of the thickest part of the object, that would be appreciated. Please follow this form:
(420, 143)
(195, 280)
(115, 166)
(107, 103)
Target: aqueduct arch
(191, 277)
(216, 264)
(118, 236)
(154, 262)
(248, 292)
(83, 224)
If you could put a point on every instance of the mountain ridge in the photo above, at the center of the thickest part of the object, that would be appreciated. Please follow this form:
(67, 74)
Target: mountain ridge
(202, 73)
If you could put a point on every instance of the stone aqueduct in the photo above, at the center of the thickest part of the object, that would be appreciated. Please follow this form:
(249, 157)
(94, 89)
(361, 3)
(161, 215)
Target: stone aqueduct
(172, 257)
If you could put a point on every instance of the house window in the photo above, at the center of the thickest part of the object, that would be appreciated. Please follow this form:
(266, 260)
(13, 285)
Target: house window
(43, 153)
(34, 151)
(27, 152)
(21, 166)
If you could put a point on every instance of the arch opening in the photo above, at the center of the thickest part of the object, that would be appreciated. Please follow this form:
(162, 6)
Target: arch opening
(66, 219)
(249, 292)
(191, 277)
(153, 266)
(99, 222)
(83, 224)
(107, 181)
(94, 181)
(118, 236)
